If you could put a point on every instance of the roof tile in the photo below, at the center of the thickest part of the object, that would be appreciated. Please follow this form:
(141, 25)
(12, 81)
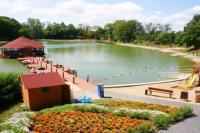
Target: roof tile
(22, 42)
(32, 81)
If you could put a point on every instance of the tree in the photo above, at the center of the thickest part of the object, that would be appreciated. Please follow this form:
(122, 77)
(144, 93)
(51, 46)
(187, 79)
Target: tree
(166, 38)
(71, 32)
(10, 89)
(150, 30)
(35, 28)
(179, 38)
(55, 31)
(109, 31)
(80, 31)
(166, 28)
(24, 31)
(126, 31)
(100, 33)
(9, 28)
(192, 32)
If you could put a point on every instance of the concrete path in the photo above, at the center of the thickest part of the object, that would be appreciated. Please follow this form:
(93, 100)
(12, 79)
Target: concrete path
(191, 125)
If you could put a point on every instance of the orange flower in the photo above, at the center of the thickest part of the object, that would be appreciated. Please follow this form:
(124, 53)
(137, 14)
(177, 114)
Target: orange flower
(74, 121)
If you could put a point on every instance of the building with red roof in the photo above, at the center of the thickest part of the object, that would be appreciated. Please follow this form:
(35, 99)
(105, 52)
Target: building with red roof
(44, 90)
(22, 47)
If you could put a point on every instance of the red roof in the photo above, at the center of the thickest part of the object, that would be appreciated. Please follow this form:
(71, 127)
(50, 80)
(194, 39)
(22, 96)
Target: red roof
(31, 81)
(23, 42)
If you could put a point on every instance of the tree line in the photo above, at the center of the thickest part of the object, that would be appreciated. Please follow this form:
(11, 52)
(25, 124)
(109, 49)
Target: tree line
(35, 29)
(130, 31)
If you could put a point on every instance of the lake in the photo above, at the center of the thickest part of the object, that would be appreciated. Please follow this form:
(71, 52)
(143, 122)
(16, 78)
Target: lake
(12, 65)
(113, 64)
(109, 64)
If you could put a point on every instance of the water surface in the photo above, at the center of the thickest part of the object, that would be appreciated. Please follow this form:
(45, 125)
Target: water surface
(109, 64)
(113, 64)
(11, 65)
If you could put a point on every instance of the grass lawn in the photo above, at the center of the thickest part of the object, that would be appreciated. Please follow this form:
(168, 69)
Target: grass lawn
(61, 108)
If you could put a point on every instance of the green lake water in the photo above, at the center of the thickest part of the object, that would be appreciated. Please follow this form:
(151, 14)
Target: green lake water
(109, 64)
(11, 65)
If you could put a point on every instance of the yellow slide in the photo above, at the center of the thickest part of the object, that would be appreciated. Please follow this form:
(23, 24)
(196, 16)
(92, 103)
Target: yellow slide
(189, 83)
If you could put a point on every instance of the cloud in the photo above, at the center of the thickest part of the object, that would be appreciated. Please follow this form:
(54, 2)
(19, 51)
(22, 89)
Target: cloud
(82, 11)
(71, 11)
(177, 20)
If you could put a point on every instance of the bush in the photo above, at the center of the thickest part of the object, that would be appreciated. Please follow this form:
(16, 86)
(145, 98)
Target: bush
(144, 128)
(91, 108)
(121, 112)
(187, 111)
(183, 113)
(161, 122)
(140, 115)
(116, 112)
(176, 117)
(10, 89)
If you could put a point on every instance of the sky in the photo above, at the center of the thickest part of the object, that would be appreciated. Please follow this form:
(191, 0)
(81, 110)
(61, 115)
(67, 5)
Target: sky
(99, 12)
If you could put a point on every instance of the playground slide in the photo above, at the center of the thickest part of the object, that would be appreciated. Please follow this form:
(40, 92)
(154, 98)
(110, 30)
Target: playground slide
(189, 83)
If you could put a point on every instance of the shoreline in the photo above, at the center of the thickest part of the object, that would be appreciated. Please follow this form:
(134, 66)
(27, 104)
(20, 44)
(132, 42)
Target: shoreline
(70, 40)
(172, 51)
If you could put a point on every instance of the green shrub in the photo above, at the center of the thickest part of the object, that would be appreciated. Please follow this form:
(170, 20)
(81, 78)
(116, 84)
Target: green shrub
(144, 128)
(121, 112)
(10, 88)
(187, 111)
(176, 117)
(91, 108)
(183, 113)
(161, 121)
(79, 108)
(140, 115)
(117, 112)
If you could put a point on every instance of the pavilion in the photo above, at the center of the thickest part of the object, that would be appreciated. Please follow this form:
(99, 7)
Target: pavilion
(22, 47)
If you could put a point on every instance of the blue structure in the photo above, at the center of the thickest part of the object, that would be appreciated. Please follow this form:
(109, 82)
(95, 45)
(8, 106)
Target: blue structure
(100, 90)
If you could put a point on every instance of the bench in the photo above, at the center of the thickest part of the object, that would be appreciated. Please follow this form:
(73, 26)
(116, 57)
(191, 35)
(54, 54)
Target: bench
(158, 90)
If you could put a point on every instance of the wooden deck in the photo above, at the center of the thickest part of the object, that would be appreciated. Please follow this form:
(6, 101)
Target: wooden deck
(49, 66)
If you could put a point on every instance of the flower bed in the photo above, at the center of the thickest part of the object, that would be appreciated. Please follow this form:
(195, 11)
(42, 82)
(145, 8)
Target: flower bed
(135, 105)
(18, 122)
(100, 116)
(77, 121)
(132, 113)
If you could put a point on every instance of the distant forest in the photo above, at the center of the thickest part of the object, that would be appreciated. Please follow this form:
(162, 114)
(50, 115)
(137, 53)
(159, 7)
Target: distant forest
(130, 31)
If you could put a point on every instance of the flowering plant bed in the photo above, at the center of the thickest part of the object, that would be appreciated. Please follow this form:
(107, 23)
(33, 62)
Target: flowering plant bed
(135, 105)
(101, 116)
(77, 121)
(19, 122)
(110, 116)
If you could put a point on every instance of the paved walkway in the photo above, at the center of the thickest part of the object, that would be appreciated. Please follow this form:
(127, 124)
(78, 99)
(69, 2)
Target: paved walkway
(191, 125)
